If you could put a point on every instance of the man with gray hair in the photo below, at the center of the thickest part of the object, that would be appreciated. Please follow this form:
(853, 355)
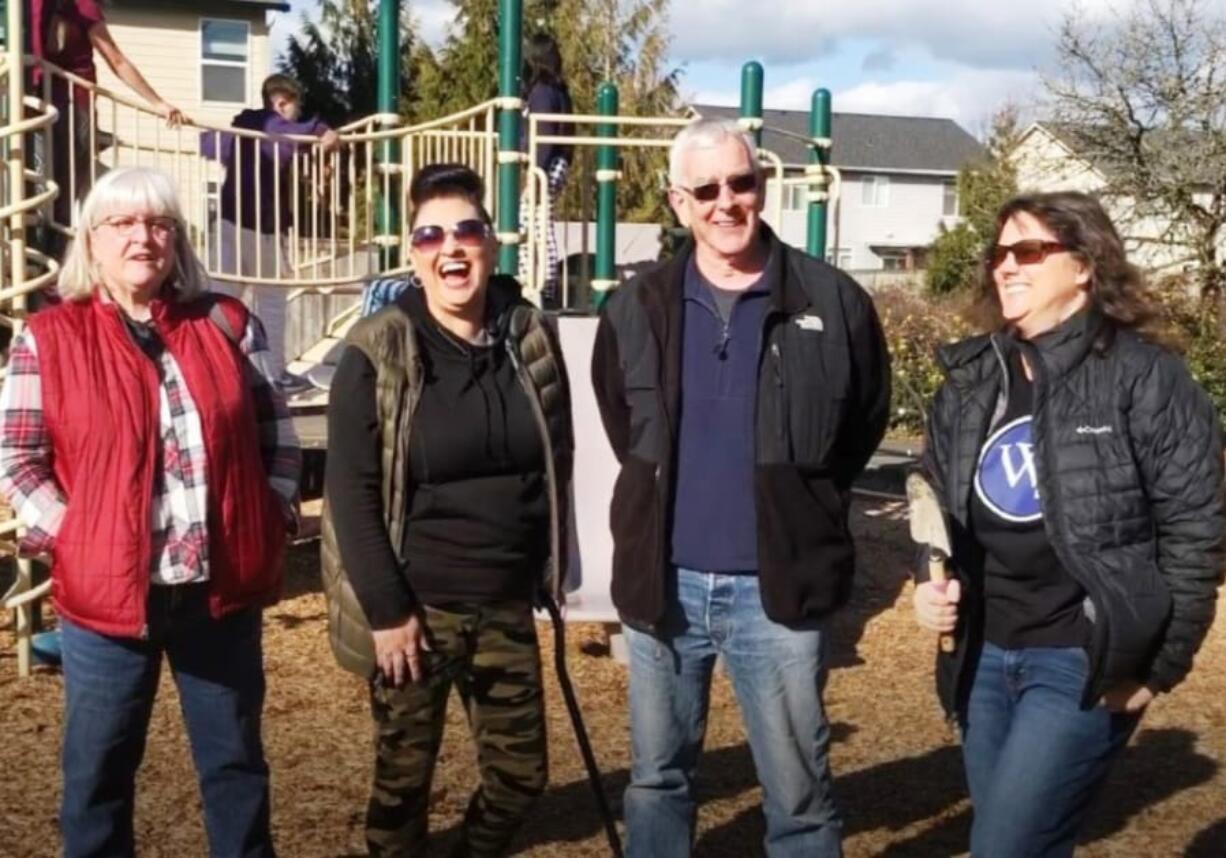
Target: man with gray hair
(743, 386)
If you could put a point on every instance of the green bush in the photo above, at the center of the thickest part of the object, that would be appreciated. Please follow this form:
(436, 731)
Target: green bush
(914, 327)
(952, 260)
(1193, 325)
(917, 324)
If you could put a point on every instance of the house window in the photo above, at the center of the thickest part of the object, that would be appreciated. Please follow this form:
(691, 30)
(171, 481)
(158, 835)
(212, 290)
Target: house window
(949, 205)
(893, 260)
(875, 191)
(839, 256)
(224, 55)
(795, 197)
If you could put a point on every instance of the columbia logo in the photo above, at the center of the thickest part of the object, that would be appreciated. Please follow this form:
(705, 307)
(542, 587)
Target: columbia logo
(1093, 430)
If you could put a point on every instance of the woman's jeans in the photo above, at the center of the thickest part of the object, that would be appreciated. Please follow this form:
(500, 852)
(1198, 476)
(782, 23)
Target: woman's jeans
(1034, 758)
(777, 673)
(109, 687)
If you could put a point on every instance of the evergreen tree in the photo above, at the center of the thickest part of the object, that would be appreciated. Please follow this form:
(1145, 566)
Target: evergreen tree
(624, 41)
(983, 187)
(336, 61)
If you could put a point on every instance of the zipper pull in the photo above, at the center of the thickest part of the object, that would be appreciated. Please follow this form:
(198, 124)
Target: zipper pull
(777, 364)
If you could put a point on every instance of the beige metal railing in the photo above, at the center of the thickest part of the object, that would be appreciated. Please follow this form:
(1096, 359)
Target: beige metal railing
(320, 208)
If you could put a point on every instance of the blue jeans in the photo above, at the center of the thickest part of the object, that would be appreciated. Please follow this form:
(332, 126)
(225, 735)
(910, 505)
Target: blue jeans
(109, 687)
(777, 673)
(1034, 758)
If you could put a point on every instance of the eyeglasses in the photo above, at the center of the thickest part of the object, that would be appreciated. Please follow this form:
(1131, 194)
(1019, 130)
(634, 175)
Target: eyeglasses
(1032, 251)
(124, 225)
(745, 183)
(472, 233)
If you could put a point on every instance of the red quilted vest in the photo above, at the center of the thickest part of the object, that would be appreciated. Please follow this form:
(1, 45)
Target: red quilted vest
(100, 401)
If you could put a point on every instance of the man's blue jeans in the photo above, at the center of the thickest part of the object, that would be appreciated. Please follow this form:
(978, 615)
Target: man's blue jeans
(777, 673)
(109, 686)
(1034, 759)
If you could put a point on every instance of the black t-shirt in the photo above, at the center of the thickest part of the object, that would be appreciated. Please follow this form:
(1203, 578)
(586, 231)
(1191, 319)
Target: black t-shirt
(1030, 600)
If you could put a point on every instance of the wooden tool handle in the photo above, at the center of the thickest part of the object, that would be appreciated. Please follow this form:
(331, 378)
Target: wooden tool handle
(936, 574)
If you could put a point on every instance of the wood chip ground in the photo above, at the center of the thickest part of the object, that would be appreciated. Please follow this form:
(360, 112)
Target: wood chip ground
(898, 771)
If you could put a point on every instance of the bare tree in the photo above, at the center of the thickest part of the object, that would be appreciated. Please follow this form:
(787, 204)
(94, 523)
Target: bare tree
(1145, 102)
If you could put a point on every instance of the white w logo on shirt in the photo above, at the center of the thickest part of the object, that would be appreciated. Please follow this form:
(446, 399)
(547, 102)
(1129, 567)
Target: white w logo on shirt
(1015, 472)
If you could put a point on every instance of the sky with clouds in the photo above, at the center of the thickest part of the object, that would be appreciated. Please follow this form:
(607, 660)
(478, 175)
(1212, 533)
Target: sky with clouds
(960, 59)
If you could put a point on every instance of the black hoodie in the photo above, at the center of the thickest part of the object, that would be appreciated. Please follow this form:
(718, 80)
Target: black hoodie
(479, 513)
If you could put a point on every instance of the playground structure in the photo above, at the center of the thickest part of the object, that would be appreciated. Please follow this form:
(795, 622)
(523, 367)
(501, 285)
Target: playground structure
(346, 229)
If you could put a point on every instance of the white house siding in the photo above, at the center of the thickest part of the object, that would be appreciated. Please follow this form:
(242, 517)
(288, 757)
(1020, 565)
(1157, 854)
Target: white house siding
(911, 217)
(163, 41)
(1045, 164)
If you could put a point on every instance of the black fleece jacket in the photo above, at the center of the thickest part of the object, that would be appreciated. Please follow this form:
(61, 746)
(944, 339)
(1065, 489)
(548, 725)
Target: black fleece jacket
(823, 395)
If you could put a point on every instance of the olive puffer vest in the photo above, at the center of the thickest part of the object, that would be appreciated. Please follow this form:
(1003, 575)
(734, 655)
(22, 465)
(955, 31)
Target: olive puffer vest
(389, 342)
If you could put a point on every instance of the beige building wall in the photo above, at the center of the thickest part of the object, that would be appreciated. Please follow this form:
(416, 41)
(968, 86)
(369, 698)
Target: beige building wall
(163, 40)
(1044, 163)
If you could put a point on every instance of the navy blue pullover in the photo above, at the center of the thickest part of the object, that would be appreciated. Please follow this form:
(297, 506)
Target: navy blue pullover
(714, 518)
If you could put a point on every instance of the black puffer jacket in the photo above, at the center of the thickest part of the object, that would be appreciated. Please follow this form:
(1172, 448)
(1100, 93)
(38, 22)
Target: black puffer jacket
(1128, 449)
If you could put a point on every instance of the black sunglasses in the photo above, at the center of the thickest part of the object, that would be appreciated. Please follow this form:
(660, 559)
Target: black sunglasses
(743, 184)
(471, 232)
(1032, 251)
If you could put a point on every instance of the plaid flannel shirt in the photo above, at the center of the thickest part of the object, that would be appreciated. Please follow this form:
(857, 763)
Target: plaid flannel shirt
(180, 494)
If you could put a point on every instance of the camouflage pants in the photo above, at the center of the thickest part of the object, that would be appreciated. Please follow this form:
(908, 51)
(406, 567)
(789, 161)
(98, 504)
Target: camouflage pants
(489, 652)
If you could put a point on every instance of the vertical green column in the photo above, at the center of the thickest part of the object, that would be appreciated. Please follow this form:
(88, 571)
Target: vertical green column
(510, 32)
(607, 175)
(751, 99)
(387, 153)
(819, 183)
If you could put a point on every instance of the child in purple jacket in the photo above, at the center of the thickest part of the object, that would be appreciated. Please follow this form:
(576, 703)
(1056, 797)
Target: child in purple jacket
(257, 210)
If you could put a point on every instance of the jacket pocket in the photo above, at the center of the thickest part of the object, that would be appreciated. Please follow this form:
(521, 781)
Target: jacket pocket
(1137, 619)
(635, 522)
(806, 557)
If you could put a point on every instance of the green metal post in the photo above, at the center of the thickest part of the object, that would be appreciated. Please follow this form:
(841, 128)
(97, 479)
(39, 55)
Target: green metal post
(819, 188)
(387, 93)
(751, 99)
(510, 39)
(606, 198)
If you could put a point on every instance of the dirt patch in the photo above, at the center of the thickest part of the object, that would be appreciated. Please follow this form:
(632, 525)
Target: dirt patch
(898, 774)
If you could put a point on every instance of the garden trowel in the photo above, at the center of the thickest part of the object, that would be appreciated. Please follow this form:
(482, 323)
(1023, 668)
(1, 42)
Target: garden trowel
(928, 527)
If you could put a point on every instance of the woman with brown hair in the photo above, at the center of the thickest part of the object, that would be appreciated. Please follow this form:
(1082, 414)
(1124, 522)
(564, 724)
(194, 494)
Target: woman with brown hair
(1081, 468)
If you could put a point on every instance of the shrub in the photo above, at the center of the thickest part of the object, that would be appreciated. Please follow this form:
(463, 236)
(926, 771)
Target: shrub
(952, 260)
(1193, 325)
(914, 327)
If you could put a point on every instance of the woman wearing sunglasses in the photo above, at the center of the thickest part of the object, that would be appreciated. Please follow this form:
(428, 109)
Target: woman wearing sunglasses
(449, 460)
(1081, 468)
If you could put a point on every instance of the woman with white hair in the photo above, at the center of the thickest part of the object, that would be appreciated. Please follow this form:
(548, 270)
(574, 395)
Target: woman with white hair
(156, 464)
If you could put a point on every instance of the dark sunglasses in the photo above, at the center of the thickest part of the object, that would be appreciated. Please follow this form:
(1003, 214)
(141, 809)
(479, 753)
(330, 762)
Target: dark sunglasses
(472, 232)
(1032, 251)
(742, 184)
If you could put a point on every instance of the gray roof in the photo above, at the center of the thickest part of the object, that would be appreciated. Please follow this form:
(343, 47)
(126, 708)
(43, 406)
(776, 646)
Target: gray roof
(868, 141)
